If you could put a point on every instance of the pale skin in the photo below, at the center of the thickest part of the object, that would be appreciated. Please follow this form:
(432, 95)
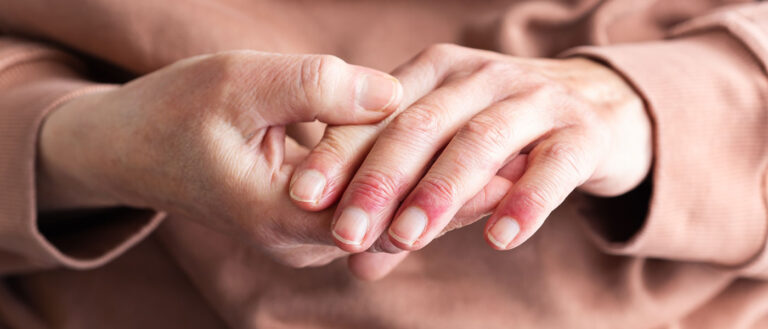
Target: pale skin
(205, 139)
(479, 133)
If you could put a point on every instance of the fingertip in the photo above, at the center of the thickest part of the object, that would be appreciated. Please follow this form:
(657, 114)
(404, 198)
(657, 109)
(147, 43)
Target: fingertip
(307, 186)
(502, 233)
(346, 245)
(313, 186)
(493, 245)
(349, 229)
(408, 227)
(401, 243)
(306, 196)
(377, 91)
(397, 98)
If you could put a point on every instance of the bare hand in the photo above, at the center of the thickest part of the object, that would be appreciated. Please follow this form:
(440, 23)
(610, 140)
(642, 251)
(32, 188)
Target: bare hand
(204, 138)
(479, 132)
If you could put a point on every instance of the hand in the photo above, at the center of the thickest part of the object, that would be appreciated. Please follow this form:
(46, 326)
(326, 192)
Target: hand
(482, 131)
(204, 138)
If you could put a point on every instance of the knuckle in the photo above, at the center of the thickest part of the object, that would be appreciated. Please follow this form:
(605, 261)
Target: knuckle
(343, 146)
(420, 119)
(438, 53)
(441, 190)
(377, 188)
(331, 150)
(531, 200)
(486, 132)
(319, 76)
(566, 157)
(439, 49)
(495, 68)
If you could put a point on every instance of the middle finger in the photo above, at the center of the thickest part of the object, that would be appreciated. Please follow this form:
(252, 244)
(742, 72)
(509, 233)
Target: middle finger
(403, 151)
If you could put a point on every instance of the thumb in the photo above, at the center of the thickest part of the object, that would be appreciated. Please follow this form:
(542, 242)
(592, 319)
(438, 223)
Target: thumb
(297, 88)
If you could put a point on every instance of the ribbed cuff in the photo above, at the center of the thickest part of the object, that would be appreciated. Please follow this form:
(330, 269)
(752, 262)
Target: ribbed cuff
(706, 96)
(34, 80)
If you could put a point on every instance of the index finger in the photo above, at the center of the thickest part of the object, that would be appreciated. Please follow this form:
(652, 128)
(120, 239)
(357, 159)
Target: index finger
(321, 178)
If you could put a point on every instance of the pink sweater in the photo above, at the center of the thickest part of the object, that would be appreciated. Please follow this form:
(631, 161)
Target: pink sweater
(685, 250)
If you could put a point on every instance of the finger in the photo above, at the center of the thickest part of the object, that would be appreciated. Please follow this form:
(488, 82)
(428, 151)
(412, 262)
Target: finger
(374, 266)
(467, 164)
(402, 153)
(556, 167)
(265, 89)
(323, 176)
(481, 205)
(326, 88)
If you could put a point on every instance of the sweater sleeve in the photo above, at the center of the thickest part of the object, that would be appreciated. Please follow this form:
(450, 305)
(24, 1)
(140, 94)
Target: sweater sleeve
(706, 90)
(34, 80)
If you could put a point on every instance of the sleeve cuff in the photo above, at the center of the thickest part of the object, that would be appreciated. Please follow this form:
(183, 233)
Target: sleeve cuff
(705, 199)
(33, 81)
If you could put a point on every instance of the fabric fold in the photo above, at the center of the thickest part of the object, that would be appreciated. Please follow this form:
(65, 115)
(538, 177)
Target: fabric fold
(34, 80)
(705, 89)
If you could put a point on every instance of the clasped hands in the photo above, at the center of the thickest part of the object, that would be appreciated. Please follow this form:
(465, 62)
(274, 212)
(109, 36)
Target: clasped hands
(453, 135)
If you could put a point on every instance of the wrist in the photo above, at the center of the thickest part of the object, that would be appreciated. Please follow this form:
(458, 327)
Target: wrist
(628, 160)
(601, 85)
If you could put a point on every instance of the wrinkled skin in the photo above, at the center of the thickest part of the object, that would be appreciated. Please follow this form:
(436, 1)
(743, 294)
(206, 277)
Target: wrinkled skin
(479, 133)
(473, 133)
(205, 139)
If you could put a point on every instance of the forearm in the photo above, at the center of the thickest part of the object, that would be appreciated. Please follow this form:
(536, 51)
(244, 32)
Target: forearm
(34, 80)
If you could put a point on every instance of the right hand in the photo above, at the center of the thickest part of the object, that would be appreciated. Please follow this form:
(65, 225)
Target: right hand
(204, 138)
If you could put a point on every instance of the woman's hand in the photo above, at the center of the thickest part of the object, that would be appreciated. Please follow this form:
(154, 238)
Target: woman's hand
(482, 131)
(204, 138)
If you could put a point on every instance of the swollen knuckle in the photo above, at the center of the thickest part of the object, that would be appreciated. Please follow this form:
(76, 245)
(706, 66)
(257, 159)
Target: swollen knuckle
(377, 187)
(319, 76)
(534, 199)
(440, 189)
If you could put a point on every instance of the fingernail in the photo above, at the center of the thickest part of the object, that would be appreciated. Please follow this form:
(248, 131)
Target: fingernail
(503, 232)
(376, 92)
(308, 186)
(409, 226)
(351, 226)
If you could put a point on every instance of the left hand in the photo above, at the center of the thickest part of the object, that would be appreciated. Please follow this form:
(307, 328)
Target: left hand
(511, 135)
(204, 139)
